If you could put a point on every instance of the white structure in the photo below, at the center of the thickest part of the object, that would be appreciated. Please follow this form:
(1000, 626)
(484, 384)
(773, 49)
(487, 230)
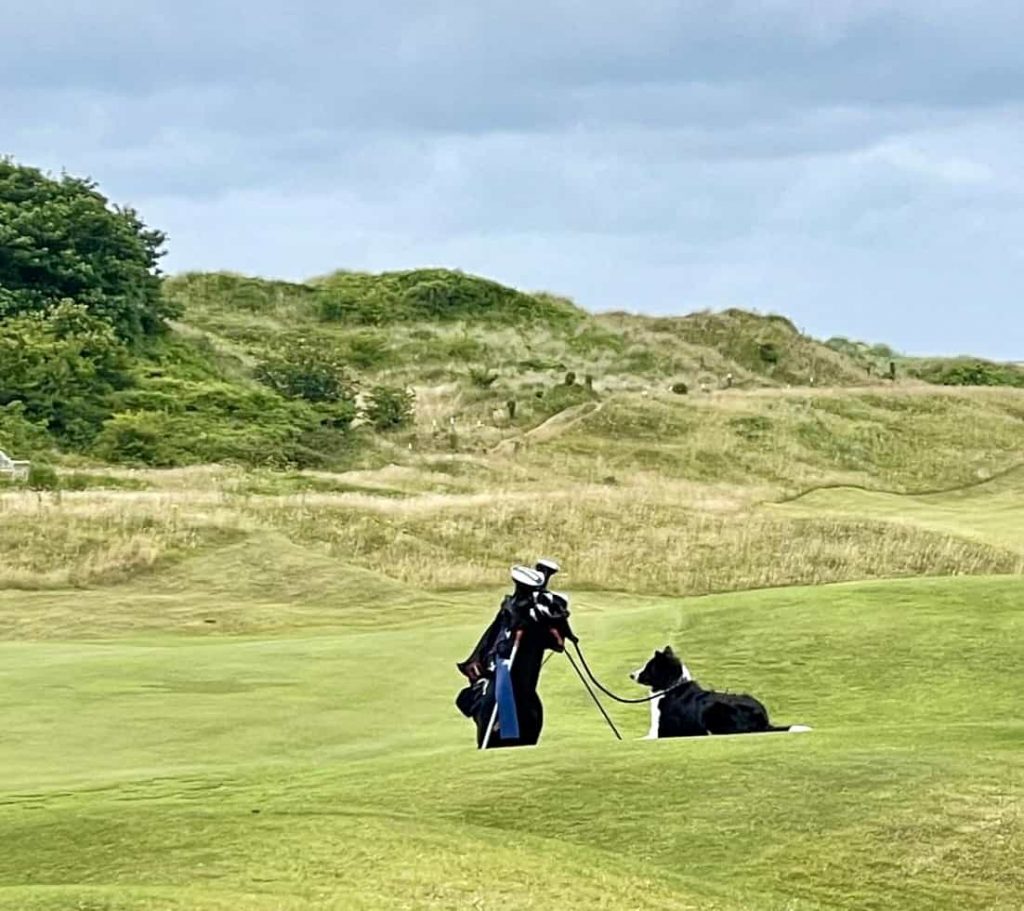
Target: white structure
(11, 469)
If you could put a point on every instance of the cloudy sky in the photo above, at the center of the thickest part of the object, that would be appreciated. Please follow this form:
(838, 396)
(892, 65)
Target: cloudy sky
(853, 164)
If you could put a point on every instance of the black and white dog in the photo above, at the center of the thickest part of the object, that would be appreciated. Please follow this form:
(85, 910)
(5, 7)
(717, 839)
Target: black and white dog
(686, 709)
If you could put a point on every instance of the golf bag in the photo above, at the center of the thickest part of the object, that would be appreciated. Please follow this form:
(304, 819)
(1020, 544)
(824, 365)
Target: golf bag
(530, 600)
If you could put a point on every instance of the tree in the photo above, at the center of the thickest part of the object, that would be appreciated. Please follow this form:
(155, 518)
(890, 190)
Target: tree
(60, 365)
(62, 240)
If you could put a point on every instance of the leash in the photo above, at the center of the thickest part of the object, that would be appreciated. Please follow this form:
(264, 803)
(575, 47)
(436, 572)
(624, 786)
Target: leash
(612, 695)
(593, 696)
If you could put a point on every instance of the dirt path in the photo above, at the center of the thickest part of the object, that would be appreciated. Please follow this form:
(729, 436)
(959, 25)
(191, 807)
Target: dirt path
(554, 426)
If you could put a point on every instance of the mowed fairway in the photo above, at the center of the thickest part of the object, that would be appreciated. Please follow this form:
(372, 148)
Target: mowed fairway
(330, 769)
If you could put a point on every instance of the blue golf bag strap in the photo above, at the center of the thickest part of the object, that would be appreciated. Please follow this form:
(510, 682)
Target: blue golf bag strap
(508, 719)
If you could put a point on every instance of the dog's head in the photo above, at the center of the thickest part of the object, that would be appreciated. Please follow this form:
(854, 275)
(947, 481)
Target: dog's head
(663, 670)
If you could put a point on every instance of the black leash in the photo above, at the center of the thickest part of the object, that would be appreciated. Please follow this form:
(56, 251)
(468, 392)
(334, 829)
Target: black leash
(608, 692)
(593, 696)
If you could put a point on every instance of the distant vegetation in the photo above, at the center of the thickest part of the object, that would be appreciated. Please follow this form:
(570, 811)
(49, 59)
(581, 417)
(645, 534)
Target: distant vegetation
(103, 358)
(940, 371)
(968, 372)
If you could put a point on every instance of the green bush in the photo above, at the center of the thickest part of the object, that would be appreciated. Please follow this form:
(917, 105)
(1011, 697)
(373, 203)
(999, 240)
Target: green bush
(367, 350)
(307, 368)
(436, 295)
(80, 481)
(592, 339)
(540, 365)
(166, 440)
(390, 408)
(238, 305)
(143, 438)
(42, 477)
(482, 377)
(176, 422)
(20, 437)
(962, 372)
(62, 364)
(558, 398)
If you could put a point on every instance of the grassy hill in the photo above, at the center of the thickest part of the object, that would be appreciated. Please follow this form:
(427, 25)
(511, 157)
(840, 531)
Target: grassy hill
(757, 350)
(424, 320)
(285, 374)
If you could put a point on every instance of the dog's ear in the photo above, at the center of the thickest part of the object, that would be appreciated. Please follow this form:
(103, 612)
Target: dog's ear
(668, 652)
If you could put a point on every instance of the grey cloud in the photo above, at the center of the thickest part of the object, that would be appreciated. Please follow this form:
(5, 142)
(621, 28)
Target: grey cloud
(854, 164)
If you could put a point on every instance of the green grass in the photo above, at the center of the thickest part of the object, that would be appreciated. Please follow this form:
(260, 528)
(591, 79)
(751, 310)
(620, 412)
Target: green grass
(293, 771)
(246, 699)
(989, 511)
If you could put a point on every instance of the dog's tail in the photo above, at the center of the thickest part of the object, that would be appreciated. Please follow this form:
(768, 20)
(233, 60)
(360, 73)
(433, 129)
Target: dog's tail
(791, 728)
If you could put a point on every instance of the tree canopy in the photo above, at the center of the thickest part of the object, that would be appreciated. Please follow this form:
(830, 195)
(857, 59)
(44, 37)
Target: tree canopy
(60, 240)
(61, 365)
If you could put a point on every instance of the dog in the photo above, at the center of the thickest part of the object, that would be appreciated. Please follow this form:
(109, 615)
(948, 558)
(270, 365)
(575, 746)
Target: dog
(686, 709)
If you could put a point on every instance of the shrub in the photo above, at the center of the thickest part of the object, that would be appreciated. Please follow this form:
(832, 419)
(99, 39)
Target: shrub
(557, 398)
(751, 427)
(482, 377)
(680, 388)
(42, 477)
(144, 438)
(367, 350)
(307, 368)
(182, 422)
(20, 437)
(768, 352)
(971, 373)
(434, 294)
(61, 364)
(390, 407)
(229, 292)
(591, 339)
(540, 365)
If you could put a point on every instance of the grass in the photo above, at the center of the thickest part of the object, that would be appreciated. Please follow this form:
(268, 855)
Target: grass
(757, 350)
(432, 530)
(905, 439)
(459, 340)
(988, 511)
(229, 689)
(277, 772)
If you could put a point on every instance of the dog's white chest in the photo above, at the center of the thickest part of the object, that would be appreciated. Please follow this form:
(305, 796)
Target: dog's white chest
(652, 734)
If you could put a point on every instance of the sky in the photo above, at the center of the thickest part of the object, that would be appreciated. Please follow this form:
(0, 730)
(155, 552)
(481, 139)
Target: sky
(855, 165)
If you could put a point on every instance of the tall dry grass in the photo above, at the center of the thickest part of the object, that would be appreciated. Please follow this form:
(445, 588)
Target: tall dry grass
(100, 537)
(657, 538)
(646, 495)
(635, 539)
